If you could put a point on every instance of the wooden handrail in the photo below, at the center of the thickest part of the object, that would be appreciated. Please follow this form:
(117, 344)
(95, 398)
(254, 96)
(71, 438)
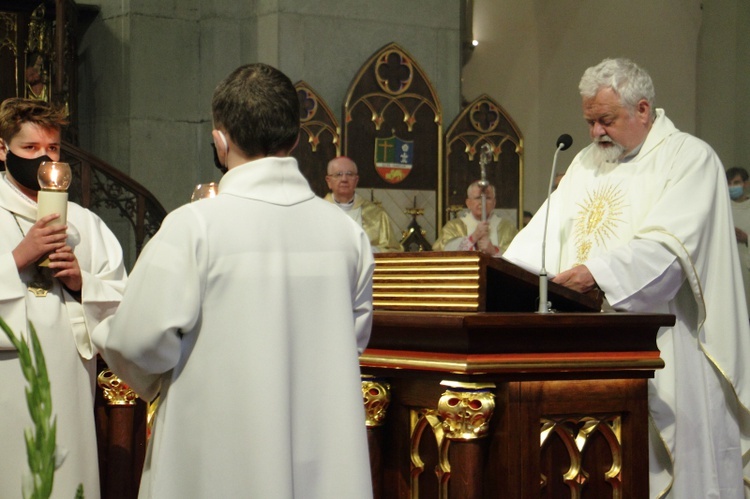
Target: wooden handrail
(99, 185)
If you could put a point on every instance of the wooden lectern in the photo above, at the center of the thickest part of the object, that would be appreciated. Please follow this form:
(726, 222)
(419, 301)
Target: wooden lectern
(470, 394)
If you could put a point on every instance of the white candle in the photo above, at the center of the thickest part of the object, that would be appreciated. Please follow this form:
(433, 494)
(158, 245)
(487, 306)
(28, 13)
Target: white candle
(49, 202)
(54, 178)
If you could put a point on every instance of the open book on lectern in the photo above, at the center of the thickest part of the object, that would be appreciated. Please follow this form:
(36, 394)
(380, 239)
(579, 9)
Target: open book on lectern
(466, 281)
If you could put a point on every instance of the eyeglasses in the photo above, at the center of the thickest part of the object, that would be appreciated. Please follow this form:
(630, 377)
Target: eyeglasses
(340, 175)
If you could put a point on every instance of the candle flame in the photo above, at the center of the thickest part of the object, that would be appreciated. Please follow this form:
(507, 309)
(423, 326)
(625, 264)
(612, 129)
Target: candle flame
(54, 176)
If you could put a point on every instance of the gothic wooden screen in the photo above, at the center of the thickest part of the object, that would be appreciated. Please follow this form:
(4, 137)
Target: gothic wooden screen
(484, 122)
(392, 123)
(319, 139)
(37, 60)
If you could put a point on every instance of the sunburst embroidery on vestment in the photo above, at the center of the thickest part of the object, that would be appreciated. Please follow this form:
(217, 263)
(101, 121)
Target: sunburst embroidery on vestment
(597, 220)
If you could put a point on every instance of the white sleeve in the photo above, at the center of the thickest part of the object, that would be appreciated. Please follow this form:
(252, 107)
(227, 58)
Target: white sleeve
(639, 276)
(12, 299)
(143, 340)
(363, 295)
(459, 244)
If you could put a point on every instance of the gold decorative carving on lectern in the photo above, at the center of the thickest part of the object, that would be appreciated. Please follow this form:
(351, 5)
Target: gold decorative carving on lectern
(466, 410)
(377, 396)
(420, 421)
(115, 391)
(445, 282)
(462, 415)
(576, 433)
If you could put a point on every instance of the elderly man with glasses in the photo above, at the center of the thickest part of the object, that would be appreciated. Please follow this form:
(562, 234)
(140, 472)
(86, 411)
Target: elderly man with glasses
(342, 179)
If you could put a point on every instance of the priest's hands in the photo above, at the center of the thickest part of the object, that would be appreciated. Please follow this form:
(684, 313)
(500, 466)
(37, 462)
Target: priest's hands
(481, 232)
(481, 239)
(741, 236)
(578, 279)
(486, 246)
(39, 241)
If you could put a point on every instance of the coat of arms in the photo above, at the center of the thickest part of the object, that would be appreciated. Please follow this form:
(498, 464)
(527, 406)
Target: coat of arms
(393, 158)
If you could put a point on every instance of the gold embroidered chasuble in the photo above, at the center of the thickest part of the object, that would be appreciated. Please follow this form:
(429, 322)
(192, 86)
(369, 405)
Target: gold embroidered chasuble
(502, 232)
(376, 223)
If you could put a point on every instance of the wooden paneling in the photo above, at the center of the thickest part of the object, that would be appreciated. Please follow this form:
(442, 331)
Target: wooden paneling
(570, 403)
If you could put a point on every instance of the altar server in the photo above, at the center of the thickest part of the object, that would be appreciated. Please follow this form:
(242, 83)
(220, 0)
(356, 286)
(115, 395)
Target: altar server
(82, 285)
(251, 339)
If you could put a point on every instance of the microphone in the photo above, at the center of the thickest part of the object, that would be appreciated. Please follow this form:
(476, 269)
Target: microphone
(563, 142)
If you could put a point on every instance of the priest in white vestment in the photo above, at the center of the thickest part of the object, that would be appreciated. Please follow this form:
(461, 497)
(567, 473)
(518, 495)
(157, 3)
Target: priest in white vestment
(643, 214)
(83, 285)
(469, 232)
(251, 338)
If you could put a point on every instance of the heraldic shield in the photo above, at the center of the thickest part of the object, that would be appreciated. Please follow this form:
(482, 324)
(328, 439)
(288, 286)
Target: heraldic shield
(394, 158)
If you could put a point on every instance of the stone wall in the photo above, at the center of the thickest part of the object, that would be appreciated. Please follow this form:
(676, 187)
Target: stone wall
(531, 56)
(149, 68)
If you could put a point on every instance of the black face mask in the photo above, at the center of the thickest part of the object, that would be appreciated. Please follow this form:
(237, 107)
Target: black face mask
(24, 170)
(217, 163)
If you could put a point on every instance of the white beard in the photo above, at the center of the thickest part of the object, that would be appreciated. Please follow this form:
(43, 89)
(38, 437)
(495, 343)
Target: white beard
(608, 154)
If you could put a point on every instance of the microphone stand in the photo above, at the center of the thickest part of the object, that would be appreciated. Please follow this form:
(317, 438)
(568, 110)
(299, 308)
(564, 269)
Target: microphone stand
(543, 293)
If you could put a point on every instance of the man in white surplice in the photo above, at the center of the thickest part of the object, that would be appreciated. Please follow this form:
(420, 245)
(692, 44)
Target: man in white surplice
(250, 338)
(644, 214)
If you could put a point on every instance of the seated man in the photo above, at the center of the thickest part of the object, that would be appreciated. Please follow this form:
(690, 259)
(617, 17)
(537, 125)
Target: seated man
(342, 179)
(491, 236)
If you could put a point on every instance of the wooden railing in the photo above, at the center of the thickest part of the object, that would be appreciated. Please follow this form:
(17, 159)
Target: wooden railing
(114, 196)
